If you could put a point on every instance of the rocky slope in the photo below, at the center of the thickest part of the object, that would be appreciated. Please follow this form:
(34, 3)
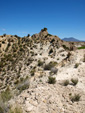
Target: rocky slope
(36, 74)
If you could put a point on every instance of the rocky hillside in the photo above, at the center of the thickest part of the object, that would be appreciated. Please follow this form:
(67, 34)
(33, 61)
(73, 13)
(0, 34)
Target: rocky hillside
(41, 74)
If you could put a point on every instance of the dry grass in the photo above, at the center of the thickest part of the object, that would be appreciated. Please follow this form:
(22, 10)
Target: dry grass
(15, 109)
(75, 98)
(6, 95)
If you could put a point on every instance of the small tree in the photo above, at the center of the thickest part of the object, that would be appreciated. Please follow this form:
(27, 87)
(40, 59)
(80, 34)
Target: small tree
(44, 29)
(28, 35)
(17, 36)
(4, 34)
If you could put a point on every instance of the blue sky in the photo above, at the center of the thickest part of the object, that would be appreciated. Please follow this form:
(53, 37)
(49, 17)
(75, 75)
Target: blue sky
(64, 18)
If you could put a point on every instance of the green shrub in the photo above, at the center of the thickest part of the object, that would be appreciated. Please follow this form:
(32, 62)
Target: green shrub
(32, 72)
(65, 47)
(50, 65)
(7, 47)
(9, 57)
(16, 82)
(84, 58)
(51, 80)
(51, 51)
(44, 29)
(4, 35)
(48, 35)
(3, 42)
(70, 94)
(74, 81)
(6, 95)
(21, 79)
(28, 35)
(16, 36)
(75, 98)
(66, 82)
(2, 64)
(76, 65)
(40, 63)
(16, 110)
(57, 58)
(21, 49)
(53, 40)
(83, 47)
(3, 106)
(1, 110)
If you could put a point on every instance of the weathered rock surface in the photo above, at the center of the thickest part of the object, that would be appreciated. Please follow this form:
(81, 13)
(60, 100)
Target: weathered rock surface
(22, 71)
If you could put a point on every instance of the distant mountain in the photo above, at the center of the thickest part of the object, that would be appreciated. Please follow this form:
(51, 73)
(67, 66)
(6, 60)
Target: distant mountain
(71, 39)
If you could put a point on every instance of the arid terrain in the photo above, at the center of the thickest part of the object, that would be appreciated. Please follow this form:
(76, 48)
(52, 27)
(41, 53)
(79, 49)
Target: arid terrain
(41, 74)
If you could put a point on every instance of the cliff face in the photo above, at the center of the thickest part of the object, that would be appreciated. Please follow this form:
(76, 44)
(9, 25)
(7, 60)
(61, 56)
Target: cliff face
(26, 65)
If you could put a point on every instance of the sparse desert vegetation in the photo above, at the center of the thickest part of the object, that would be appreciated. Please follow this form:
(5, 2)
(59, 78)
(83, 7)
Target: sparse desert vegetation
(39, 71)
(75, 98)
(76, 65)
(83, 47)
(6, 95)
(50, 65)
(74, 81)
(40, 63)
(51, 80)
(16, 109)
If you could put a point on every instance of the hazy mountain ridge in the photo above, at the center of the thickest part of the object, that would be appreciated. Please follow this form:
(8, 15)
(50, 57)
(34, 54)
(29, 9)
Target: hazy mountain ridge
(71, 39)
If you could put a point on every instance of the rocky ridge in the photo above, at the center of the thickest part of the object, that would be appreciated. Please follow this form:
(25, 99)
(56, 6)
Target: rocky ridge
(25, 66)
